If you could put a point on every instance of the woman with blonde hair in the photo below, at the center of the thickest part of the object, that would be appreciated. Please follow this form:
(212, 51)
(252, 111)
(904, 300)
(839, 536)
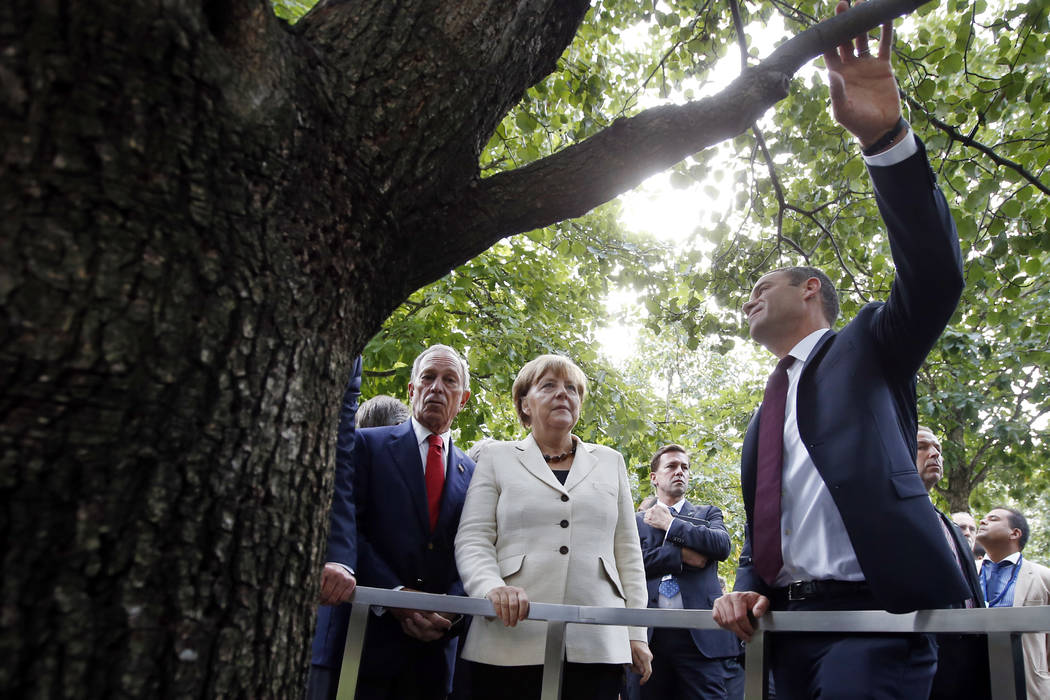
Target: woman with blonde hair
(550, 518)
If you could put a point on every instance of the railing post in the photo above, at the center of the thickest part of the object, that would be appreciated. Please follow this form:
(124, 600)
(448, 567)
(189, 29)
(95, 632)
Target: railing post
(756, 675)
(552, 661)
(1005, 666)
(355, 643)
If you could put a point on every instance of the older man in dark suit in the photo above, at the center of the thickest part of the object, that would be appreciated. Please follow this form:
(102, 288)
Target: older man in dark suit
(828, 463)
(682, 544)
(402, 493)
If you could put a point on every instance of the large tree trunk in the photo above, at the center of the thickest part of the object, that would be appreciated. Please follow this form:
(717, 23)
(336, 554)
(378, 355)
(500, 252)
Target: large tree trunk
(205, 216)
(206, 224)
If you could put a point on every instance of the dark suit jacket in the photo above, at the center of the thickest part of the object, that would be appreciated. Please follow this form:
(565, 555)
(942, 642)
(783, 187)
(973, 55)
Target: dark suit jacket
(342, 533)
(965, 556)
(962, 659)
(856, 405)
(396, 548)
(699, 587)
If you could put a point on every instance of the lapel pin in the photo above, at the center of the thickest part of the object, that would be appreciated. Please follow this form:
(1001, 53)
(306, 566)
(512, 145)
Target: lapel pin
(460, 467)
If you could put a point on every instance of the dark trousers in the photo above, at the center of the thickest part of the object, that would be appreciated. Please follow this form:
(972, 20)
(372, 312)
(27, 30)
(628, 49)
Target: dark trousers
(962, 668)
(578, 682)
(403, 686)
(322, 683)
(735, 682)
(850, 666)
(682, 672)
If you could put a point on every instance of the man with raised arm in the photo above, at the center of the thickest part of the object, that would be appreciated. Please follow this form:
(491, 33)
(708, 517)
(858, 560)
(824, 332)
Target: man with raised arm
(837, 516)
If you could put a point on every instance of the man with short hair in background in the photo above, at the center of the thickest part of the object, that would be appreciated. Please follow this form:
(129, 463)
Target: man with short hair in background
(968, 525)
(382, 410)
(1010, 580)
(962, 659)
(682, 544)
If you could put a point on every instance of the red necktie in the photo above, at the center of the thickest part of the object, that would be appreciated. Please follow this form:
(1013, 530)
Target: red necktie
(435, 477)
(766, 551)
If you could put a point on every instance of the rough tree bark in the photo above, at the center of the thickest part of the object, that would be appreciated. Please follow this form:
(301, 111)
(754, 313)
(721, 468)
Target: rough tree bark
(206, 214)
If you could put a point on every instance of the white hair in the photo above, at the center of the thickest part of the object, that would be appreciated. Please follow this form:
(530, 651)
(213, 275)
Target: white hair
(464, 370)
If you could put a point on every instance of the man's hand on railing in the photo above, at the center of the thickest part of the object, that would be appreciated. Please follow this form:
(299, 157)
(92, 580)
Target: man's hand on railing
(641, 660)
(738, 611)
(691, 557)
(424, 626)
(510, 603)
(337, 584)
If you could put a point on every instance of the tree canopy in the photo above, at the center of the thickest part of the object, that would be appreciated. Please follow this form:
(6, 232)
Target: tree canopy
(798, 196)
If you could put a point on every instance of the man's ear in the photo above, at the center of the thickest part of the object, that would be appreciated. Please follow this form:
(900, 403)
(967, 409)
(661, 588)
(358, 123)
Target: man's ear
(811, 288)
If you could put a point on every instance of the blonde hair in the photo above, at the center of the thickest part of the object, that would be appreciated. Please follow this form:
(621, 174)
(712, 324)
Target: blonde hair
(558, 365)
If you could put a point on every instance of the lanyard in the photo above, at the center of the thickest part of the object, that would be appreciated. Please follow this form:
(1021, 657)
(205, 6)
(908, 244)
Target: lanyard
(984, 583)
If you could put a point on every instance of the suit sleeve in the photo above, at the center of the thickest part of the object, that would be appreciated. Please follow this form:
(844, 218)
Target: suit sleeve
(711, 540)
(747, 579)
(628, 552)
(375, 571)
(659, 557)
(663, 554)
(925, 247)
(476, 537)
(342, 532)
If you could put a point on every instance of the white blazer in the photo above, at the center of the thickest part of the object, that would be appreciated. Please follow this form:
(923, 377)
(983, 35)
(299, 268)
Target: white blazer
(1033, 588)
(575, 544)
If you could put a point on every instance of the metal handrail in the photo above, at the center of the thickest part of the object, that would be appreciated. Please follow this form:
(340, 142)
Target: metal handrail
(998, 623)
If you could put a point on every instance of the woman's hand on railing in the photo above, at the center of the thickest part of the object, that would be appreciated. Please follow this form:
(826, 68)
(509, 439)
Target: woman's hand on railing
(738, 612)
(641, 660)
(510, 603)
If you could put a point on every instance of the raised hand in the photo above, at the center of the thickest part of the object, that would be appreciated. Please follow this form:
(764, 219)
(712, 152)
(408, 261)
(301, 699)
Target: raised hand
(864, 94)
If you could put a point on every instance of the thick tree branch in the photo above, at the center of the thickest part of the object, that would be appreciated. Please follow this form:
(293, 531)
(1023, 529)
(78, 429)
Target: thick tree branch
(470, 63)
(579, 178)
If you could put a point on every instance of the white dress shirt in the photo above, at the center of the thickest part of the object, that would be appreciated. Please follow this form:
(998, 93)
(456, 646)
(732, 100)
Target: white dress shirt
(675, 601)
(904, 148)
(424, 445)
(813, 537)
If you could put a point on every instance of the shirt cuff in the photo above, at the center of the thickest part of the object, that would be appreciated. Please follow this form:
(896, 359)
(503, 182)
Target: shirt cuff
(379, 610)
(903, 149)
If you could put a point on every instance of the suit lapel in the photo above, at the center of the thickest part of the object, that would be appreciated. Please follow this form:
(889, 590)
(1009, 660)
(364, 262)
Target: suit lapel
(404, 456)
(1023, 586)
(532, 459)
(582, 465)
(818, 349)
(455, 486)
(962, 552)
